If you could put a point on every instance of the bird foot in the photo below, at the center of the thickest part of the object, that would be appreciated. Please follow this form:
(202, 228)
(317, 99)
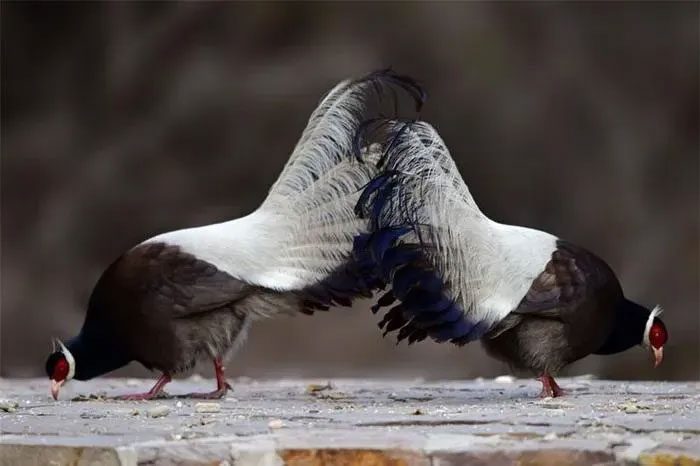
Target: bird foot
(142, 396)
(552, 393)
(153, 393)
(550, 389)
(215, 395)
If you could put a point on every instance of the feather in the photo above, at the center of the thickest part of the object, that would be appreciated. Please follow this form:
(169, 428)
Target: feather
(306, 232)
(382, 240)
(387, 299)
(397, 256)
(459, 255)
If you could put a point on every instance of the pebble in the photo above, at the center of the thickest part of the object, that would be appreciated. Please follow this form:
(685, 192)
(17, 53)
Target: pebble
(158, 411)
(630, 407)
(9, 406)
(275, 424)
(316, 387)
(504, 379)
(207, 407)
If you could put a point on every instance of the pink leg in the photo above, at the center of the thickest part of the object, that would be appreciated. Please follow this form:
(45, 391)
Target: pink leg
(221, 385)
(152, 393)
(550, 387)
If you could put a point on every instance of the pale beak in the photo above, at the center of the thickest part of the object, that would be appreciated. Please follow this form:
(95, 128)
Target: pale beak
(658, 355)
(55, 386)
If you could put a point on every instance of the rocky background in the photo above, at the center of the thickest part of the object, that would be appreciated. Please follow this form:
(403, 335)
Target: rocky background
(121, 120)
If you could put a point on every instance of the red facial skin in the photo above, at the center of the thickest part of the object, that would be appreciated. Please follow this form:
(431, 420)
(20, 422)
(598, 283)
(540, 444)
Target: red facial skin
(657, 339)
(58, 378)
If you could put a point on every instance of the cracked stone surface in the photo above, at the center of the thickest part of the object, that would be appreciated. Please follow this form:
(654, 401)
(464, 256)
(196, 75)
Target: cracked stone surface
(353, 422)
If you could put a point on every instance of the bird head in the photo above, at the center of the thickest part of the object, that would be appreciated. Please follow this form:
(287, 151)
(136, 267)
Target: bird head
(655, 336)
(60, 367)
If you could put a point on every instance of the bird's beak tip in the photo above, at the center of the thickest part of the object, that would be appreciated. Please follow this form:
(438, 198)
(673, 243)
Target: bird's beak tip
(658, 356)
(55, 387)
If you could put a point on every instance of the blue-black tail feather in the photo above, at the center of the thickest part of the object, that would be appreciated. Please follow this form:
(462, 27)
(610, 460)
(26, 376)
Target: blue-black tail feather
(397, 255)
(360, 276)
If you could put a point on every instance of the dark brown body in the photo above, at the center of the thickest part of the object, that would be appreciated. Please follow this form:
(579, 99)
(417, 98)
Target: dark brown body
(567, 314)
(165, 309)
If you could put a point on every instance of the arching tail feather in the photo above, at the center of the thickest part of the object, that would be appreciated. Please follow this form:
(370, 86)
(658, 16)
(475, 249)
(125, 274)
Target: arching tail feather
(406, 278)
(360, 140)
(410, 85)
(382, 240)
(309, 306)
(426, 321)
(417, 287)
(376, 184)
(394, 138)
(332, 128)
(387, 299)
(301, 239)
(393, 320)
(371, 129)
(417, 335)
(404, 333)
(416, 167)
(420, 301)
(450, 330)
(477, 331)
(397, 256)
(410, 276)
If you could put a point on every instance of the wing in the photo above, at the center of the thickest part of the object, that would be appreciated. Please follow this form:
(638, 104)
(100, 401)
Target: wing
(151, 285)
(561, 286)
(572, 276)
(454, 272)
(189, 285)
(162, 278)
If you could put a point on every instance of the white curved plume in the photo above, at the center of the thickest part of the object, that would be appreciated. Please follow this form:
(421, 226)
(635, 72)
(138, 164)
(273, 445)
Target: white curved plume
(488, 266)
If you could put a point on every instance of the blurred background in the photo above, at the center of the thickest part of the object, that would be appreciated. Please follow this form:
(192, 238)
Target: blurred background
(121, 120)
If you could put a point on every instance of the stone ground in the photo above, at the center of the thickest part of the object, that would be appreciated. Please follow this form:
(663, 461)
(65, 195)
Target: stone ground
(372, 422)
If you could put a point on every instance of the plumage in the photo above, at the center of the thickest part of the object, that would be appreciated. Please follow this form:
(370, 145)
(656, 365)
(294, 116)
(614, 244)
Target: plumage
(191, 294)
(534, 300)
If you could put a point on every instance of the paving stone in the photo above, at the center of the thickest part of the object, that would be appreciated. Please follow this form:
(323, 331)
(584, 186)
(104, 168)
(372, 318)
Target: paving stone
(365, 422)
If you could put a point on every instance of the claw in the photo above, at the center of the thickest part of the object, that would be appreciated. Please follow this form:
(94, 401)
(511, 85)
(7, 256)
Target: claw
(550, 389)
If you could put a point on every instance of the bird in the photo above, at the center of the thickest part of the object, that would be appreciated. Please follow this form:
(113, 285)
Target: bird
(534, 300)
(191, 295)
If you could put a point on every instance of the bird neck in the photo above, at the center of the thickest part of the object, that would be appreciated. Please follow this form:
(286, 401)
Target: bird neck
(628, 329)
(94, 357)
